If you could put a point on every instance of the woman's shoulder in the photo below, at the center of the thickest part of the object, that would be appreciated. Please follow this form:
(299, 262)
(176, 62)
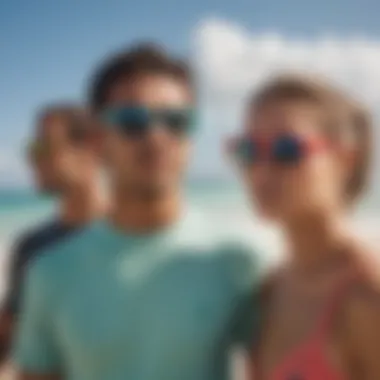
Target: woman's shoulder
(360, 323)
(361, 311)
(365, 273)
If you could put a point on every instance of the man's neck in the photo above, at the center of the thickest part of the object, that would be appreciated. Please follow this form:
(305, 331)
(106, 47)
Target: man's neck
(141, 215)
(82, 205)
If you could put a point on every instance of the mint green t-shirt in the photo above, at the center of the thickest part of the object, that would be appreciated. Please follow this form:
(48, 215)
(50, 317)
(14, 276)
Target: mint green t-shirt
(108, 306)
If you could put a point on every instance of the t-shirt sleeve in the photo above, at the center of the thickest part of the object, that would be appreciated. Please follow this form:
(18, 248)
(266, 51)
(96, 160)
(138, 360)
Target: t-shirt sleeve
(17, 267)
(35, 349)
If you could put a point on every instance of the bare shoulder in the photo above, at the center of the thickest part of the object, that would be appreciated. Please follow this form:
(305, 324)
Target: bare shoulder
(361, 320)
(365, 290)
(363, 304)
(362, 308)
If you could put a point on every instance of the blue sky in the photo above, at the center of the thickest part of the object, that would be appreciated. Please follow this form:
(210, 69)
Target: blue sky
(49, 47)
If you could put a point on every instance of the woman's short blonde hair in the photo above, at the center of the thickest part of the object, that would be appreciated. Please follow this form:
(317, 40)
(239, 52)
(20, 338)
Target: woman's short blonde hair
(342, 116)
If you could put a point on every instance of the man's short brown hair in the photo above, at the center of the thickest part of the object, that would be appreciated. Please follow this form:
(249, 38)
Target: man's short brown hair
(139, 60)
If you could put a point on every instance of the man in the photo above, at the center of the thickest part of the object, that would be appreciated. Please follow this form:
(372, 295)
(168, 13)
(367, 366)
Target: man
(63, 158)
(152, 291)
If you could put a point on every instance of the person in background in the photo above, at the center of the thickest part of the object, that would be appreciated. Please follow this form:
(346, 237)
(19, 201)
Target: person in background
(304, 153)
(152, 291)
(64, 164)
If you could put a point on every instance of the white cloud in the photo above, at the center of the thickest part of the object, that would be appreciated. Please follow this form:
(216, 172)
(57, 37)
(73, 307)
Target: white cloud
(231, 60)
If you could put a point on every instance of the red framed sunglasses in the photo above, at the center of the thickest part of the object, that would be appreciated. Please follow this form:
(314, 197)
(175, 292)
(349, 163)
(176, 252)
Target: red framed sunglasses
(284, 149)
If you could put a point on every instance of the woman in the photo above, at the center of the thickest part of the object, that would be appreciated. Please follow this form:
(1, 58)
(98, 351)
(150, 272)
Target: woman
(304, 155)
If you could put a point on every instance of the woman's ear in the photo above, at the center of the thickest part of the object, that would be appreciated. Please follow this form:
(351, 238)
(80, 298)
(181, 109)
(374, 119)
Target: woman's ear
(350, 161)
(361, 153)
(351, 157)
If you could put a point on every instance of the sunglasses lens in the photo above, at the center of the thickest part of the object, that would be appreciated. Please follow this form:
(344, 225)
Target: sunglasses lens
(246, 151)
(132, 122)
(135, 122)
(287, 150)
(178, 122)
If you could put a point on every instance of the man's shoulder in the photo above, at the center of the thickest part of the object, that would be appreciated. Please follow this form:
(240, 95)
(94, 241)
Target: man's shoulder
(28, 245)
(237, 241)
(204, 228)
(58, 257)
(247, 254)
